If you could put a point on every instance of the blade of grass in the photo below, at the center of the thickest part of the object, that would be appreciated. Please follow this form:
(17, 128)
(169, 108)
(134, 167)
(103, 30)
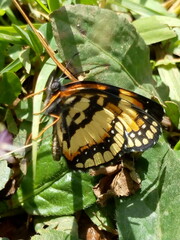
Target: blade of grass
(156, 28)
(37, 102)
(43, 6)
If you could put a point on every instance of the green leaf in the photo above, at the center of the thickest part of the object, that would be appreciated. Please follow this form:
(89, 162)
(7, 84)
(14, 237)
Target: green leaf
(103, 45)
(2, 12)
(20, 141)
(145, 8)
(12, 16)
(10, 88)
(11, 124)
(30, 38)
(35, 42)
(43, 6)
(5, 4)
(173, 112)
(46, 30)
(43, 77)
(5, 173)
(24, 110)
(10, 39)
(2, 53)
(54, 235)
(177, 146)
(170, 76)
(53, 185)
(12, 67)
(156, 28)
(65, 224)
(53, 5)
(154, 212)
(102, 217)
(23, 34)
(24, 58)
(14, 51)
(175, 45)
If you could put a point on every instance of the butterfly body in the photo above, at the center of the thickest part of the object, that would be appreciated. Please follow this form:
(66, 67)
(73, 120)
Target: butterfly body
(99, 123)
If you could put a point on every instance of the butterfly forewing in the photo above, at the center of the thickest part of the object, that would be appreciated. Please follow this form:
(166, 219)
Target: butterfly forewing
(99, 123)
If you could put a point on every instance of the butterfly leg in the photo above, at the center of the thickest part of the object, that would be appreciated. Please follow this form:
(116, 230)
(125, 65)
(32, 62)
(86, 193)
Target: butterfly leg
(50, 125)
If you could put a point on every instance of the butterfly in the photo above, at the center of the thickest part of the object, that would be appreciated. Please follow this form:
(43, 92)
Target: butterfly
(97, 123)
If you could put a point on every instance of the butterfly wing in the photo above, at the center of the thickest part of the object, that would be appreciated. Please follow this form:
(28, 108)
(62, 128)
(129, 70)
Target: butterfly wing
(99, 123)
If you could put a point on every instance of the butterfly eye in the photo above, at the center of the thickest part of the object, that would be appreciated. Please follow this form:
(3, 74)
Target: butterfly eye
(55, 86)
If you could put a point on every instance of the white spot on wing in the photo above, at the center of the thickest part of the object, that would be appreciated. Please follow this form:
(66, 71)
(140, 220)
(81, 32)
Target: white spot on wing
(132, 135)
(112, 131)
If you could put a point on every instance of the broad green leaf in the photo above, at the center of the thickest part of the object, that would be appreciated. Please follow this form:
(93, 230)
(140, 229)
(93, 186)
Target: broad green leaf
(154, 212)
(103, 45)
(10, 88)
(53, 185)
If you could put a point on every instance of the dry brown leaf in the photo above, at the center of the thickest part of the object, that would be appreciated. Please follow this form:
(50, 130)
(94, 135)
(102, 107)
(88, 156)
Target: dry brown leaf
(120, 180)
(89, 231)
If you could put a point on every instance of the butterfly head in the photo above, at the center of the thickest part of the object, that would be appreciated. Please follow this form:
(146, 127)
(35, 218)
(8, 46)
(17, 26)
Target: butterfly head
(53, 96)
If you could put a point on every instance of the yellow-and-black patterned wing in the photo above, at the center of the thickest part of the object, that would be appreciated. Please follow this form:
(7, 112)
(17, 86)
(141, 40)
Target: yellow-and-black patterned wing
(99, 123)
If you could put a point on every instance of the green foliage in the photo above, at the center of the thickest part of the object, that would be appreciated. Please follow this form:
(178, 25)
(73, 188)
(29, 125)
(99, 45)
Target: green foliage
(5, 173)
(102, 51)
(154, 212)
(53, 177)
(155, 29)
(10, 86)
(107, 48)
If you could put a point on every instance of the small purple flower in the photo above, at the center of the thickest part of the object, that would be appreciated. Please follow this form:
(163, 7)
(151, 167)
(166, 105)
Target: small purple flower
(6, 146)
